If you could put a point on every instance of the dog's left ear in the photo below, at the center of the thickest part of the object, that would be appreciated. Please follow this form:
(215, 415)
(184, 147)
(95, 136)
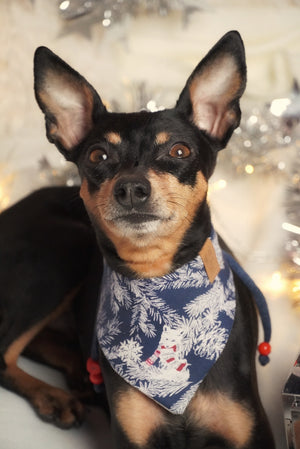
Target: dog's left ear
(211, 96)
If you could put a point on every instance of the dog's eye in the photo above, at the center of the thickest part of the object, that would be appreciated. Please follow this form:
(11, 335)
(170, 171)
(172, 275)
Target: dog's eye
(179, 151)
(98, 155)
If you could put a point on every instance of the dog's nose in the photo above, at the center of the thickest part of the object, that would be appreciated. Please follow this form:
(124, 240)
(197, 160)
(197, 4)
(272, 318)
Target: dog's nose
(132, 192)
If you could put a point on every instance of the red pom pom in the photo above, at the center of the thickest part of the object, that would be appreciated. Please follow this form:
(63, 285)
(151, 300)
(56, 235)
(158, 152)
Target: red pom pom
(92, 366)
(96, 379)
(264, 348)
(94, 370)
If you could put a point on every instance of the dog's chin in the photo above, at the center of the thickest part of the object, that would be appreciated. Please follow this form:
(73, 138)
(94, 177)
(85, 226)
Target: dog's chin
(140, 227)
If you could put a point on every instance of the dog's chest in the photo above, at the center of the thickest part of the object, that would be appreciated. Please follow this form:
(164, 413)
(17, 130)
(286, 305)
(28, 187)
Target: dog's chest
(163, 335)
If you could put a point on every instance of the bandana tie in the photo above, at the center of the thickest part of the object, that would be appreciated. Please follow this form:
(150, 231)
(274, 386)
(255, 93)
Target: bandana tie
(164, 334)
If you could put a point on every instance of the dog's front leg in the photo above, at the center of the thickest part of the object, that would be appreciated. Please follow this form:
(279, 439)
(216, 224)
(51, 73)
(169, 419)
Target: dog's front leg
(135, 419)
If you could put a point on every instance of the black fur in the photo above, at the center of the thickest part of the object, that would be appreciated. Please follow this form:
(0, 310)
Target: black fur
(202, 122)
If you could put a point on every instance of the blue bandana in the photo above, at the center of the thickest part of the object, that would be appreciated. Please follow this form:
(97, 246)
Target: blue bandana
(164, 334)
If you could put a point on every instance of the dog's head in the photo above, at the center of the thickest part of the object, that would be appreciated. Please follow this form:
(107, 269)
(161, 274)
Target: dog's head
(144, 175)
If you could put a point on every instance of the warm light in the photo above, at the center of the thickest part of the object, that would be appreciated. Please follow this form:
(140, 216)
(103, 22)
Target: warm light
(252, 120)
(64, 5)
(106, 22)
(249, 169)
(222, 184)
(151, 106)
(218, 185)
(4, 202)
(295, 293)
(279, 106)
(276, 284)
(296, 287)
(281, 165)
(291, 228)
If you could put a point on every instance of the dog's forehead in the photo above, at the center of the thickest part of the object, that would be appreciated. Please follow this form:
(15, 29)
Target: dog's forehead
(158, 127)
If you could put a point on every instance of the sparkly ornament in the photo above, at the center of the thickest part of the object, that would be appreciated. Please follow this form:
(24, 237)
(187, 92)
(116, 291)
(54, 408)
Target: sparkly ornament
(291, 114)
(253, 143)
(67, 174)
(265, 132)
(139, 98)
(72, 9)
(292, 228)
(81, 15)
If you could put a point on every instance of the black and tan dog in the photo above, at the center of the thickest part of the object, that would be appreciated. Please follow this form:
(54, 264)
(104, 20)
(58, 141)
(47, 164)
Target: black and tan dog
(144, 186)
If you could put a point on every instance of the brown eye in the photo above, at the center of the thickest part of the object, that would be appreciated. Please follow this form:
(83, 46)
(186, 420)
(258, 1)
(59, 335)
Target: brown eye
(98, 155)
(179, 151)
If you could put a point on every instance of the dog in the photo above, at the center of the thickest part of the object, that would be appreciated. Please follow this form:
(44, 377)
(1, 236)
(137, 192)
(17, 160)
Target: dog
(144, 180)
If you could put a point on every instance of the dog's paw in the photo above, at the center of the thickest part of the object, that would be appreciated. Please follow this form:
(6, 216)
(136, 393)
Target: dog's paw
(58, 407)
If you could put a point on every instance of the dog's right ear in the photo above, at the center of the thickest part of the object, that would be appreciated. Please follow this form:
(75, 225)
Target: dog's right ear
(211, 96)
(70, 104)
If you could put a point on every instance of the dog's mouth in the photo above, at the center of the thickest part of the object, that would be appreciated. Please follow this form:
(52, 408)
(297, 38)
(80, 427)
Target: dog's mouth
(137, 224)
(137, 218)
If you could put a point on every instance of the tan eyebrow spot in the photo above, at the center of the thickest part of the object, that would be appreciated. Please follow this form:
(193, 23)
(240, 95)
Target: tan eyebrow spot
(162, 138)
(113, 138)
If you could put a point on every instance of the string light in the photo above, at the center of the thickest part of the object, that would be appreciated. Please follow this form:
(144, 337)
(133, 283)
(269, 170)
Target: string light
(64, 5)
(291, 228)
(279, 106)
(276, 284)
(249, 169)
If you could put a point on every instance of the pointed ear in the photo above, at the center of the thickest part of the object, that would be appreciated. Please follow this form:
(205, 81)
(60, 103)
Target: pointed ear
(70, 104)
(211, 96)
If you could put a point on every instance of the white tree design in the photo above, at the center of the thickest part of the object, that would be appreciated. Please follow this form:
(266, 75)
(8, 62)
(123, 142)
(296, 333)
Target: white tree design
(130, 351)
(150, 308)
(107, 329)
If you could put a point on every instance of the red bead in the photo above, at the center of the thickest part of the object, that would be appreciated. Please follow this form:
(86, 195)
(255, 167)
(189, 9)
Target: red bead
(94, 370)
(264, 348)
(96, 379)
(93, 366)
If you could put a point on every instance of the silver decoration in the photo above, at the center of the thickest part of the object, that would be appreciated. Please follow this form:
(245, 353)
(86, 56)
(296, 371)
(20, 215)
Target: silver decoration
(79, 16)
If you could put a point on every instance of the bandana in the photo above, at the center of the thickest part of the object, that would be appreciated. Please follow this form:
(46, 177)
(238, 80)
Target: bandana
(164, 334)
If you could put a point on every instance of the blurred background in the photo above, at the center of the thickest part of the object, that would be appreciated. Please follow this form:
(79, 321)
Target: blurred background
(139, 54)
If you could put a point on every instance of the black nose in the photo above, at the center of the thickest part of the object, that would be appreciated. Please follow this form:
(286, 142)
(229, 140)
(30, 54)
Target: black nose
(132, 192)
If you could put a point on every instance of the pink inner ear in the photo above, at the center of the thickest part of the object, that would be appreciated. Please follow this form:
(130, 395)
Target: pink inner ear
(214, 118)
(72, 126)
(212, 93)
(71, 103)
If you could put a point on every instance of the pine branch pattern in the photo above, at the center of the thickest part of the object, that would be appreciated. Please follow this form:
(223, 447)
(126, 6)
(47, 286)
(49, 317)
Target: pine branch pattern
(164, 334)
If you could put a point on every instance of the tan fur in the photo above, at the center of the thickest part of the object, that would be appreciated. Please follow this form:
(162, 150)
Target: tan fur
(223, 416)
(149, 253)
(15, 349)
(49, 348)
(138, 415)
(162, 137)
(113, 138)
